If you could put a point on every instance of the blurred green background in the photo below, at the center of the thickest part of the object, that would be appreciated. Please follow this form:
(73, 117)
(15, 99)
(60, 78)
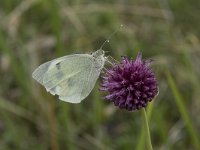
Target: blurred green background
(34, 31)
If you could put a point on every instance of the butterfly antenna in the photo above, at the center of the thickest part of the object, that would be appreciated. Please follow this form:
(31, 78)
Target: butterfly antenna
(108, 39)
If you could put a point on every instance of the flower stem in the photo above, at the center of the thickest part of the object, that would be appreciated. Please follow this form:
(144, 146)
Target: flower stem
(146, 127)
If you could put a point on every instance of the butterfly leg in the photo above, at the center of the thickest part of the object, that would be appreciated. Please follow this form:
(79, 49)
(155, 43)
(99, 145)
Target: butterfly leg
(111, 60)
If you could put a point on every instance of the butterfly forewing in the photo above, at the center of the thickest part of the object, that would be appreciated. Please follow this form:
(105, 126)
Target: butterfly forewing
(39, 72)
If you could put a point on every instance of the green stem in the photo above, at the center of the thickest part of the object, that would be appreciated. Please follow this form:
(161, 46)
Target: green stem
(146, 125)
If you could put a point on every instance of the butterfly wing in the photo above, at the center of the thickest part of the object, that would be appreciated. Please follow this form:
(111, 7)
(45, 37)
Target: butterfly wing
(71, 77)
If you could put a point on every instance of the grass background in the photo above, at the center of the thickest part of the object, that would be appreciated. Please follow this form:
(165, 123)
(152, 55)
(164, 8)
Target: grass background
(34, 31)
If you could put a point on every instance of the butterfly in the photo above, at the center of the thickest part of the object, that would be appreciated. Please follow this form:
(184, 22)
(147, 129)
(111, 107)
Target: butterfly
(71, 77)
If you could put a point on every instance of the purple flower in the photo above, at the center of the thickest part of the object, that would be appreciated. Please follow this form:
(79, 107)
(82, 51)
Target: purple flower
(130, 84)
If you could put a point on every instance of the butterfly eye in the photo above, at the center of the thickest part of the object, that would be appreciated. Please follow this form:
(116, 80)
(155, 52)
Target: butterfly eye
(98, 53)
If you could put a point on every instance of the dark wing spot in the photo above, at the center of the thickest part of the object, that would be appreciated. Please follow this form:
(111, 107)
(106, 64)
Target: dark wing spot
(58, 66)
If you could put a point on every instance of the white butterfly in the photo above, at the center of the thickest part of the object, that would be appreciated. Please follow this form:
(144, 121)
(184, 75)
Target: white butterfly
(71, 77)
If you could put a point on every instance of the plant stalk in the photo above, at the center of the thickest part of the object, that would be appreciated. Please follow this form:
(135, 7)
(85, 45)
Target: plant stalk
(146, 127)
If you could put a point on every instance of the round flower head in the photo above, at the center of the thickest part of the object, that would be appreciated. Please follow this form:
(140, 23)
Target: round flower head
(130, 84)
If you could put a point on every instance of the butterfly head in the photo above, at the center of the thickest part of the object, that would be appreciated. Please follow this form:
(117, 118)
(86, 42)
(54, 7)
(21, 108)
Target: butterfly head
(99, 58)
(98, 53)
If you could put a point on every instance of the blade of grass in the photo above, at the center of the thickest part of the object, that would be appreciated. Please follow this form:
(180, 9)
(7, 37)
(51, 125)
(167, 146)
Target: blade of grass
(184, 114)
(53, 125)
(97, 106)
(15, 109)
(16, 67)
(56, 25)
(67, 130)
